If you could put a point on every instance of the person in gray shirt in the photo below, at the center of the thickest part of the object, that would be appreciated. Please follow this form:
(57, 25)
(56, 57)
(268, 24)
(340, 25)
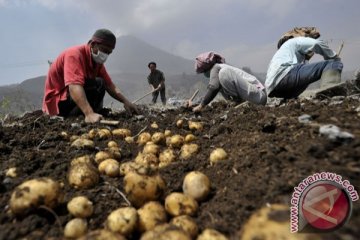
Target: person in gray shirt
(156, 81)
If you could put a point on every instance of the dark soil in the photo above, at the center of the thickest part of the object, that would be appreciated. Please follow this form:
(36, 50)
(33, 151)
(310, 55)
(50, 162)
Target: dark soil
(270, 152)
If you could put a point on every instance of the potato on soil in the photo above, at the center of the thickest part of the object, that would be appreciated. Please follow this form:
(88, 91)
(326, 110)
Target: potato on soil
(147, 159)
(109, 167)
(75, 228)
(73, 138)
(211, 234)
(190, 138)
(121, 133)
(197, 185)
(177, 204)
(217, 155)
(83, 176)
(188, 150)
(104, 133)
(81, 143)
(167, 133)
(272, 222)
(150, 215)
(83, 159)
(80, 207)
(151, 148)
(187, 224)
(158, 138)
(112, 144)
(165, 232)
(154, 125)
(143, 138)
(180, 123)
(92, 133)
(64, 135)
(166, 157)
(129, 140)
(11, 172)
(195, 126)
(101, 156)
(102, 234)
(33, 193)
(122, 220)
(143, 188)
(176, 141)
(115, 152)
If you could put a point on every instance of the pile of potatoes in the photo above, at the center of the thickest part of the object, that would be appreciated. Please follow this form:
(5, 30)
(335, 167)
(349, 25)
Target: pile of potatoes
(150, 214)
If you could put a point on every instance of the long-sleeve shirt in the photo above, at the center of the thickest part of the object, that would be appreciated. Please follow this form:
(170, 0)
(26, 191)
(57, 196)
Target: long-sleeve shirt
(73, 66)
(230, 84)
(291, 53)
(155, 78)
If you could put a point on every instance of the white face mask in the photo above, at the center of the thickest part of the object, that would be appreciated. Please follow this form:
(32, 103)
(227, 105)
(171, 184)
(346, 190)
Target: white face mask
(100, 57)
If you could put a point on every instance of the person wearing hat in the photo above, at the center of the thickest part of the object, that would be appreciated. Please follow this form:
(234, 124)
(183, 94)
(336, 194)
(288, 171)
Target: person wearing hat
(77, 80)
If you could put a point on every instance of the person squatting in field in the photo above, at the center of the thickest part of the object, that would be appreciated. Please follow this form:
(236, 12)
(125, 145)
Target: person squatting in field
(77, 80)
(233, 83)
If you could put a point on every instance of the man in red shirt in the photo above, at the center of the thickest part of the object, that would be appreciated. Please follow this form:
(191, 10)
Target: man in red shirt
(77, 80)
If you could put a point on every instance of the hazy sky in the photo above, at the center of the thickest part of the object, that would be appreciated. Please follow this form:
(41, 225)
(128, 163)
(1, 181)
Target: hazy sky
(245, 32)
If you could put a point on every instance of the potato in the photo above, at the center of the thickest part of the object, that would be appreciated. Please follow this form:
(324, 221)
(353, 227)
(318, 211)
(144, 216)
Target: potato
(143, 138)
(104, 133)
(180, 123)
(197, 185)
(115, 152)
(112, 144)
(143, 188)
(165, 232)
(187, 224)
(101, 156)
(195, 126)
(127, 167)
(211, 234)
(154, 125)
(102, 234)
(109, 167)
(85, 136)
(33, 193)
(147, 159)
(177, 204)
(121, 133)
(75, 228)
(272, 222)
(151, 148)
(83, 176)
(166, 157)
(167, 133)
(122, 220)
(83, 144)
(92, 133)
(83, 159)
(64, 135)
(150, 215)
(129, 140)
(188, 150)
(158, 138)
(80, 207)
(217, 155)
(11, 172)
(190, 138)
(176, 141)
(73, 138)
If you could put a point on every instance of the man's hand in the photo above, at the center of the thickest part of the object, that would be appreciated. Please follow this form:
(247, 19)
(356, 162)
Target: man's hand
(131, 108)
(198, 108)
(93, 117)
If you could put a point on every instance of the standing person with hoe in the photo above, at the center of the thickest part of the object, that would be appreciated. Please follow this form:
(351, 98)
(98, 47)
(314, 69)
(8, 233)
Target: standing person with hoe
(77, 80)
(156, 81)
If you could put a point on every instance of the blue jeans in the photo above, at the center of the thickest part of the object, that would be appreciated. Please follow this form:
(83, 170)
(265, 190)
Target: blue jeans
(301, 76)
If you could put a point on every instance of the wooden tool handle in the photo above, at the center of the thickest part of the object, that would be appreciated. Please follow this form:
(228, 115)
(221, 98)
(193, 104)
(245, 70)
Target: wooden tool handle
(144, 96)
(110, 122)
(194, 95)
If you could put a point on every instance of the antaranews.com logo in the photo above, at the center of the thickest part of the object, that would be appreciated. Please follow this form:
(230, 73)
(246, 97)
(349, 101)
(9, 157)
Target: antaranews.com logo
(322, 202)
